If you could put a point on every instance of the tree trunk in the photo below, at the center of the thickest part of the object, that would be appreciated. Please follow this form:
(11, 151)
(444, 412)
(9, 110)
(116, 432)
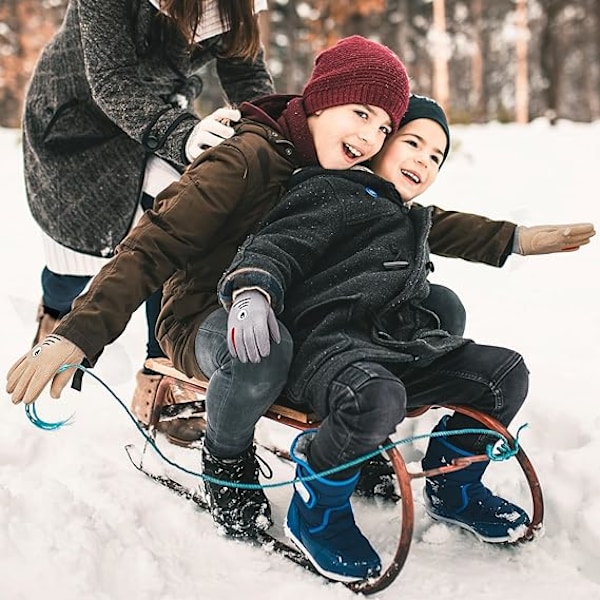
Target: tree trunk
(264, 22)
(593, 62)
(441, 88)
(28, 25)
(522, 71)
(11, 92)
(477, 99)
(551, 51)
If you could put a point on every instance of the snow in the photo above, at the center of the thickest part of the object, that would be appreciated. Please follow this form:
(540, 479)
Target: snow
(77, 521)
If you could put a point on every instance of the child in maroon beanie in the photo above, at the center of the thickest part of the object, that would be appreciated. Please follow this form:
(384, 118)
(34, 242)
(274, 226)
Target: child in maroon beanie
(354, 99)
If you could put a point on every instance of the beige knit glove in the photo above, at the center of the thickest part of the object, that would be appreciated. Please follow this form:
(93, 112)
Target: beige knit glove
(545, 239)
(33, 371)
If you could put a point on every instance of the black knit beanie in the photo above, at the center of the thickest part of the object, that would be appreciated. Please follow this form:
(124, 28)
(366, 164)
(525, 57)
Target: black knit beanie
(358, 71)
(422, 107)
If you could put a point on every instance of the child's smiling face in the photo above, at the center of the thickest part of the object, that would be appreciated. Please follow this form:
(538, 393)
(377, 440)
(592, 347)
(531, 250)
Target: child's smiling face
(349, 134)
(411, 159)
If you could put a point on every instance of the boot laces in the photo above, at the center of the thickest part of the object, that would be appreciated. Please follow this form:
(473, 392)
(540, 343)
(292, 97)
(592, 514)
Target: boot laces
(240, 511)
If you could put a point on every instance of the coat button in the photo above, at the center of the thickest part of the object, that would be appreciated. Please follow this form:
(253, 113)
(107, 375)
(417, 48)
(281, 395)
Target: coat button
(384, 335)
(152, 142)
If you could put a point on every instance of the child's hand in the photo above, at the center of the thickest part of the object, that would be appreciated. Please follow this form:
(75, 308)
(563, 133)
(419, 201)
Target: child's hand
(33, 371)
(545, 239)
(251, 326)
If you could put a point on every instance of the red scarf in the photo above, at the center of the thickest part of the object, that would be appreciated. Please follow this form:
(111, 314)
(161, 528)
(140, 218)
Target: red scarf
(294, 126)
(286, 114)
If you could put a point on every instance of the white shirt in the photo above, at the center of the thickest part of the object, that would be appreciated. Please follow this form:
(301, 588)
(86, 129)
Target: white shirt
(210, 22)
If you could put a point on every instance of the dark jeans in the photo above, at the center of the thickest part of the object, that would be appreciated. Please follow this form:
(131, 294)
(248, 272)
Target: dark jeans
(238, 394)
(59, 291)
(367, 401)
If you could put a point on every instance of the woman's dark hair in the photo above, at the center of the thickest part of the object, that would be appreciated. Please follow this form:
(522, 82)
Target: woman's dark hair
(243, 38)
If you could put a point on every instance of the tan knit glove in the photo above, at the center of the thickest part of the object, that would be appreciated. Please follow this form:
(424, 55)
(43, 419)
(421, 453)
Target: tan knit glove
(545, 239)
(33, 371)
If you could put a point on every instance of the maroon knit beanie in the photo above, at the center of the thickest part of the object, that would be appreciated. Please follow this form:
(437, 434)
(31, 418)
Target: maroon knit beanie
(358, 71)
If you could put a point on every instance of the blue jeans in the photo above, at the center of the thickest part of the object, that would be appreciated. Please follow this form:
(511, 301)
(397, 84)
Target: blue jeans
(366, 401)
(59, 291)
(238, 393)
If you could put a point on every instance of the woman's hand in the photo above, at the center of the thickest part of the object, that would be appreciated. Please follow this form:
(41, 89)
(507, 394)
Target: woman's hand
(212, 130)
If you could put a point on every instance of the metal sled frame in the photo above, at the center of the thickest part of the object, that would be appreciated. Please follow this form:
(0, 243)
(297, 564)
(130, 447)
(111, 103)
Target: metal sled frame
(298, 419)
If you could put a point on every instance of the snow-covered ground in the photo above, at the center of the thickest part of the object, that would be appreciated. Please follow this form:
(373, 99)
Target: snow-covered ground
(78, 522)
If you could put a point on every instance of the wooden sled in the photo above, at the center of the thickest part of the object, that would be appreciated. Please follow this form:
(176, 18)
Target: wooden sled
(298, 419)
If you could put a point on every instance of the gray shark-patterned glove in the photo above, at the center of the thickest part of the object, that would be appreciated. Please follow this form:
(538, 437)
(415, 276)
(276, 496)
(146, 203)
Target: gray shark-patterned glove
(251, 326)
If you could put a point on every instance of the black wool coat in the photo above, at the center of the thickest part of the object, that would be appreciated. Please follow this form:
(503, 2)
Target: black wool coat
(101, 100)
(345, 263)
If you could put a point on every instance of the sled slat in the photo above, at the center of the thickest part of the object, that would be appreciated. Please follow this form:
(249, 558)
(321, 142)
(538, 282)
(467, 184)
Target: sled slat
(165, 367)
(278, 411)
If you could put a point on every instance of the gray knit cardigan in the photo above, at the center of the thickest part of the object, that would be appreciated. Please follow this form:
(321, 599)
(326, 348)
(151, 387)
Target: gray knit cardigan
(100, 102)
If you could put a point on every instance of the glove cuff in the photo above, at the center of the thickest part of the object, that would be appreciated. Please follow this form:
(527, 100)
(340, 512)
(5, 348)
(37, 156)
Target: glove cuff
(517, 246)
(252, 288)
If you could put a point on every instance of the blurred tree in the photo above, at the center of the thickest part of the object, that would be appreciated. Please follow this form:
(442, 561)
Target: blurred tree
(592, 59)
(25, 27)
(477, 99)
(551, 51)
(441, 54)
(462, 51)
(522, 75)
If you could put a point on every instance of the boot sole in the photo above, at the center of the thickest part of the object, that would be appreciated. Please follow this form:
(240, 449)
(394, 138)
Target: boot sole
(316, 565)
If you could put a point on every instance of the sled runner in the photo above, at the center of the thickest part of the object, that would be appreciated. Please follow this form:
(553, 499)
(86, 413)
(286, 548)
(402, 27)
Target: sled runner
(292, 416)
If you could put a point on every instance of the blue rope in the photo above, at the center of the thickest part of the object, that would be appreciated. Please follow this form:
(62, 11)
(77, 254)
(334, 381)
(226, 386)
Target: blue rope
(503, 452)
(32, 415)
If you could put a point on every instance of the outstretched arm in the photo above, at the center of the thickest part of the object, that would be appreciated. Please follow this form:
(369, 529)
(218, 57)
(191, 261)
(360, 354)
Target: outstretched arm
(470, 237)
(478, 239)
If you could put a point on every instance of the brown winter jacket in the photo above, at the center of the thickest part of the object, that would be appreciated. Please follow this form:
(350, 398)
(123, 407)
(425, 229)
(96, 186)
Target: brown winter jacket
(186, 242)
(193, 233)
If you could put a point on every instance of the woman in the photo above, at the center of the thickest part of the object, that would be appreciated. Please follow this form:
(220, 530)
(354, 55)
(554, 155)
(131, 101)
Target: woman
(108, 124)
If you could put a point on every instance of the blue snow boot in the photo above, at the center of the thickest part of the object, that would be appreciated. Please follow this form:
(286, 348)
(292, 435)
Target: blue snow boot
(460, 497)
(320, 522)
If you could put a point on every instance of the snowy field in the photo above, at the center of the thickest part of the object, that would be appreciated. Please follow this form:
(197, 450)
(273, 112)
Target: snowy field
(77, 522)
